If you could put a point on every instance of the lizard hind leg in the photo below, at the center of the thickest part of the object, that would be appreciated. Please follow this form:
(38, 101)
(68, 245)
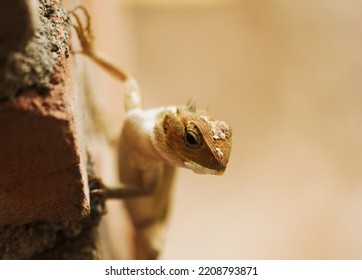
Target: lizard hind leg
(133, 96)
(88, 48)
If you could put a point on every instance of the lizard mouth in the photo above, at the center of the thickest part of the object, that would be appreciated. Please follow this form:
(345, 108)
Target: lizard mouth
(199, 169)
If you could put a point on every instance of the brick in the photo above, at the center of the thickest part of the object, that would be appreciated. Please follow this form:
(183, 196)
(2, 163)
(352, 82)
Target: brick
(42, 159)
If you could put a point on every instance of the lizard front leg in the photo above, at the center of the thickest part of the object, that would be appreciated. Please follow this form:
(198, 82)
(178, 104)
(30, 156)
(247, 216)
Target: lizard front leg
(120, 191)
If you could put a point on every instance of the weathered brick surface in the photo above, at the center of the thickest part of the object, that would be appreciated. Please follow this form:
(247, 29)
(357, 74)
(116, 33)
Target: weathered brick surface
(42, 162)
(42, 159)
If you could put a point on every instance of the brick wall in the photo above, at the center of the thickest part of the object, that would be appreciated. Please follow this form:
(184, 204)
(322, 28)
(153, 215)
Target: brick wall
(44, 185)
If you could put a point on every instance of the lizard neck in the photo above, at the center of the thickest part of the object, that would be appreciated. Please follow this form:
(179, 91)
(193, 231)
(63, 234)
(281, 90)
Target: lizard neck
(159, 139)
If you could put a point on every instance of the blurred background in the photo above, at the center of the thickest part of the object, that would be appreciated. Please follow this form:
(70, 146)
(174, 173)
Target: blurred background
(287, 76)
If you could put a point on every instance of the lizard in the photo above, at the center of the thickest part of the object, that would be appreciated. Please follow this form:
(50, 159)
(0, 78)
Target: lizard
(152, 144)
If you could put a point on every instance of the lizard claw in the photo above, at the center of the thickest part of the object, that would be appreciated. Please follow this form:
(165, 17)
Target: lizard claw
(98, 189)
(84, 32)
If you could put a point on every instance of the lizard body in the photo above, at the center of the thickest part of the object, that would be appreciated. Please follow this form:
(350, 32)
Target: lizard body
(151, 145)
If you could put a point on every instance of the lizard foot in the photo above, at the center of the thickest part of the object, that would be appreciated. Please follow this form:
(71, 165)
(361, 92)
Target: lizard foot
(84, 32)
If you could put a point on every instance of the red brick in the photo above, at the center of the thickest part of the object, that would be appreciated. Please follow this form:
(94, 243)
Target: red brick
(42, 158)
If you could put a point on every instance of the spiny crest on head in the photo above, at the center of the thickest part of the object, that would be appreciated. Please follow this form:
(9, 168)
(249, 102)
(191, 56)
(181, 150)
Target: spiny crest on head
(191, 105)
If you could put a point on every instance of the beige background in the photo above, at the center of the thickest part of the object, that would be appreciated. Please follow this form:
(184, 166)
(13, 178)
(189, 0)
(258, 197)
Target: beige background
(286, 75)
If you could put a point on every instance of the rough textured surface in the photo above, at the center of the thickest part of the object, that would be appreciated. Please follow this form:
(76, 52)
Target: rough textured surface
(42, 158)
(45, 208)
(74, 239)
(33, 64)
(41, 172)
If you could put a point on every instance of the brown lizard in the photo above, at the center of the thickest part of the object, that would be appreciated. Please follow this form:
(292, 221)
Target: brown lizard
(152, 144)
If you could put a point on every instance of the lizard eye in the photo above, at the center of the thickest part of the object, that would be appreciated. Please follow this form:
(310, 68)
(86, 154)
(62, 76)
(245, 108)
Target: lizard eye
(192, 139)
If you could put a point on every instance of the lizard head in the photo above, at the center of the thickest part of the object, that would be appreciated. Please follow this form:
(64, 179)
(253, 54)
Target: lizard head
(192, 139)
